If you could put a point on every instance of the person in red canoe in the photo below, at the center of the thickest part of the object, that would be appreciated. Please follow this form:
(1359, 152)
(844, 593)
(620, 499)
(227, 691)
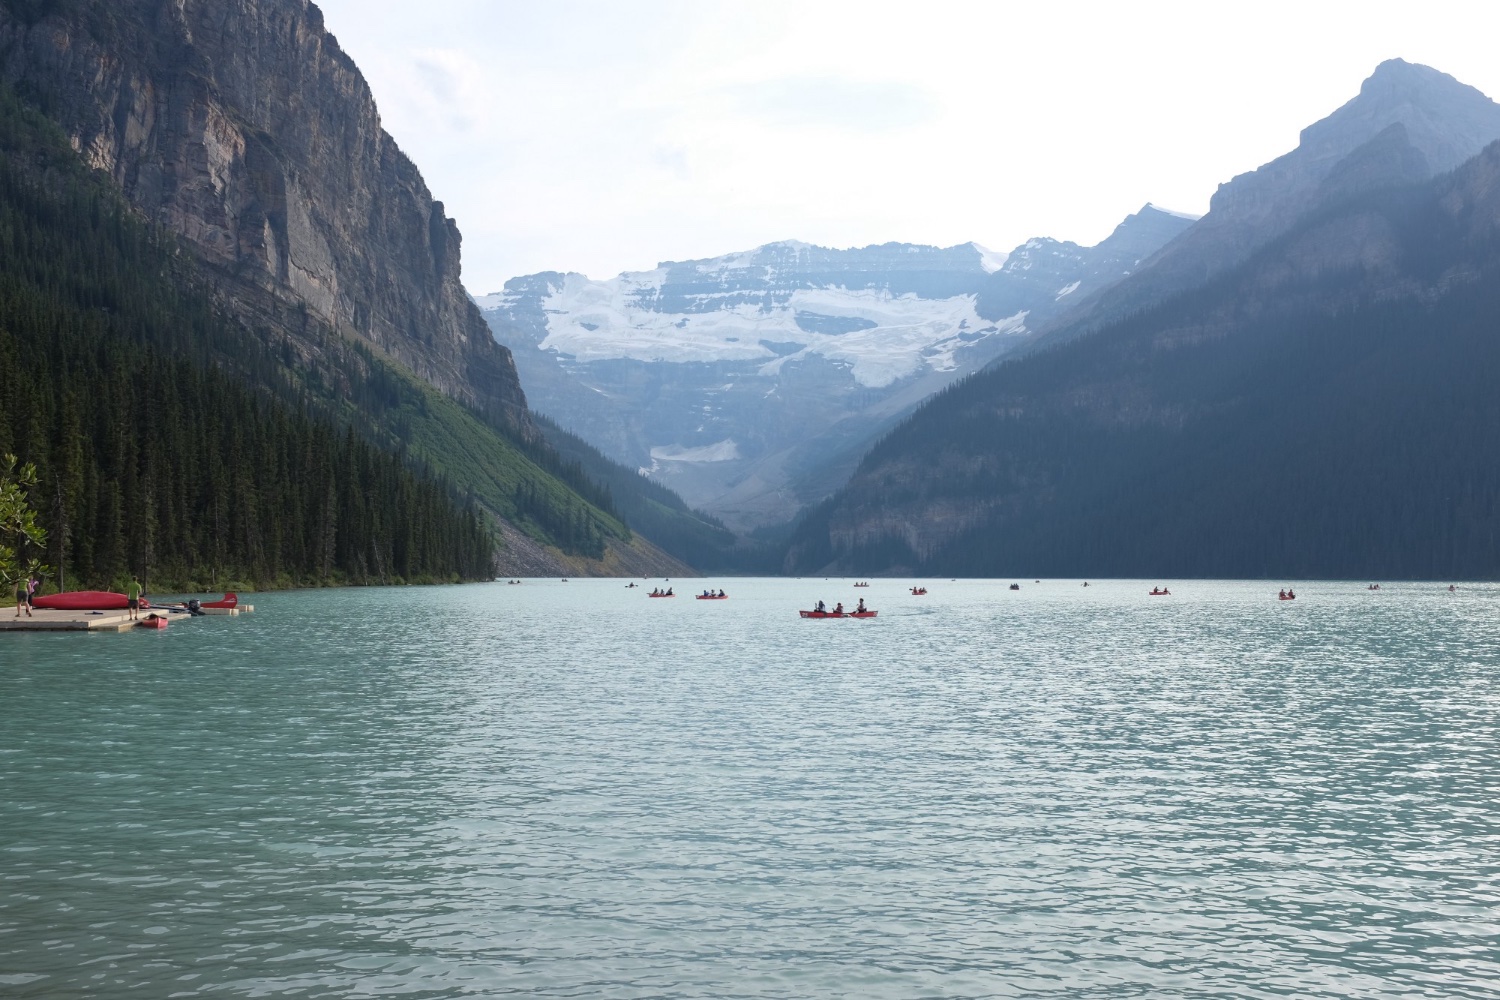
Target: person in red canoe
(838, 608)
(859, 608)
(820, 608)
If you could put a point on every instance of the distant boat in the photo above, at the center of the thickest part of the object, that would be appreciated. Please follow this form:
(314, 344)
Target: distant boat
(838, 614)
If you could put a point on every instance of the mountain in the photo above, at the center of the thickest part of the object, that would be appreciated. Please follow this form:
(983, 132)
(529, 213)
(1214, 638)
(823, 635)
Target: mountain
(243, 128)
(751, 383)
(1324, 409)
(1407, 123)
(123, 388)
(297, 250)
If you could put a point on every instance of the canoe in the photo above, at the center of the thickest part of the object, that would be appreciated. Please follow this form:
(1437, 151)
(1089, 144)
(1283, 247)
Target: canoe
(231, 600)
(1284, 597)
(82, 600)
(1160, 593)
(712, 597)
(661, 595)
(838, 614)
(152, 621)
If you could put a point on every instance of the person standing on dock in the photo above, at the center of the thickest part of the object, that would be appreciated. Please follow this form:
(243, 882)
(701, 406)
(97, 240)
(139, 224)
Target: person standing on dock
(133, 598)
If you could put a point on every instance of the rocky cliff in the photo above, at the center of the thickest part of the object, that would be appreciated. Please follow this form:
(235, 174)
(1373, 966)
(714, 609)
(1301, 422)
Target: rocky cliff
(244, 128)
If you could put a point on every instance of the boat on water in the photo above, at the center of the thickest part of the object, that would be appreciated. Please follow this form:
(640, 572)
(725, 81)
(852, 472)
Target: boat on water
(82, 600)
(152, 621)
(838, 614)
(230, 600)
(1015, 586)
(1163, 592)
(919, 591)
(713, 597)
(661, 593)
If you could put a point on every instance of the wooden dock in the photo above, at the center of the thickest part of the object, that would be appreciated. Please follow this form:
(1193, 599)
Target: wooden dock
(71, 621)
(94, 621)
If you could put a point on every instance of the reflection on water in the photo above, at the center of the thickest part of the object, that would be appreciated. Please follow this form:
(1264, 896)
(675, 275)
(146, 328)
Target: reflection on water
(571, 790)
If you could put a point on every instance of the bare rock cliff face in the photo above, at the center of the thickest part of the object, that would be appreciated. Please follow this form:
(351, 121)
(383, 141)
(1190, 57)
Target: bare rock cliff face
(244, 128)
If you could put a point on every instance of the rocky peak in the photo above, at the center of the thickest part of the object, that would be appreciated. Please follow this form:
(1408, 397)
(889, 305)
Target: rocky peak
(1407, 124)
(1445, 121)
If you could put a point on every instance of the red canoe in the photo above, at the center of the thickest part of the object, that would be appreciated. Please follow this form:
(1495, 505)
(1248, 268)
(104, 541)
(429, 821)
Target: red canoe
(837, 614)
(1285, 597)
(83, 600)
(231, 600)
(152, 621)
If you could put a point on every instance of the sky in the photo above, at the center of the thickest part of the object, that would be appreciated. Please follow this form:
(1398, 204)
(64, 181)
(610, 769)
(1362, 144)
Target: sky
(600, 137)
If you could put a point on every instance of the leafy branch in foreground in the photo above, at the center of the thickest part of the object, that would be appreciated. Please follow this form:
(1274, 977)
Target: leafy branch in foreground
(18, 528)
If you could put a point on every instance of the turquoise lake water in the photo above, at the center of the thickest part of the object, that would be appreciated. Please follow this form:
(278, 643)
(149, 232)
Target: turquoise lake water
(571, 790)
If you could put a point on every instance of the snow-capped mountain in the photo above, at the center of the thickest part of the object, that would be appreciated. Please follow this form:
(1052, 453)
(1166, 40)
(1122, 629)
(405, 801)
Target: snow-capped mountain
(750, 383)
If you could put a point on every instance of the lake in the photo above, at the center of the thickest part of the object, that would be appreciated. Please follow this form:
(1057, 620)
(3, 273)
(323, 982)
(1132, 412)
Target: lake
(572, 790)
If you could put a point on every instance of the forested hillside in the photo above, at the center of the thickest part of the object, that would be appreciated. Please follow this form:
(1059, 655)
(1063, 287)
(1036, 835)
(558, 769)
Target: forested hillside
(1326, 410)
(176, 440)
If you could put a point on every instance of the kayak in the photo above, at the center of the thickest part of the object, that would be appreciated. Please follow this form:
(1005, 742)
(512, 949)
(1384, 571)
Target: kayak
(231, 600)
(713, 597)
(152, 621)
(82, 600)
(838, 614)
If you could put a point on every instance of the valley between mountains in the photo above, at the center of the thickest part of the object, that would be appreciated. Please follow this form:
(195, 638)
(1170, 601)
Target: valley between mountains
(1298, 380)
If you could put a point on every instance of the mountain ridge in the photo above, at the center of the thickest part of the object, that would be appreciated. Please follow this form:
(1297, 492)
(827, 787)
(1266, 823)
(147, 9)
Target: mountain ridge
(1442, 123)
(1316, 411)
(750, 381)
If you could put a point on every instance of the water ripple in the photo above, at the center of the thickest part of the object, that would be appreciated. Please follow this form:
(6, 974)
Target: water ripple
(567, 790)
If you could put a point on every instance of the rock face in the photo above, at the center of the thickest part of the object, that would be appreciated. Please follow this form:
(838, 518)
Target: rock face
(1407, 124)
(751, 383)
(242, 127)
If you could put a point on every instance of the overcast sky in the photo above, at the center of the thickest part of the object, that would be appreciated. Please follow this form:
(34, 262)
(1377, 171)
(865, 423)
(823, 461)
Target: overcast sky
(581, 135)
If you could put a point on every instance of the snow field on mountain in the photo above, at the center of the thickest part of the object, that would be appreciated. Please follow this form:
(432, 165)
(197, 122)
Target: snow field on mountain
(603, 320)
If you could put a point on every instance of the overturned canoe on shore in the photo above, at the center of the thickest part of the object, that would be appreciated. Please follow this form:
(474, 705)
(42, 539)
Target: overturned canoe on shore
(82, 600)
